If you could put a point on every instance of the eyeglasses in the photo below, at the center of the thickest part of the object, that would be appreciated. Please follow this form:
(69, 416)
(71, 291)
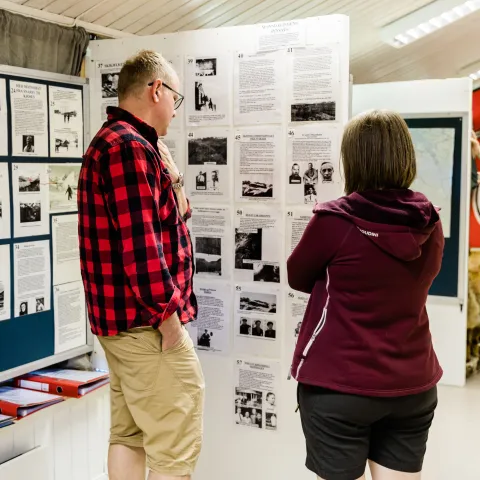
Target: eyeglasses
(180, 98)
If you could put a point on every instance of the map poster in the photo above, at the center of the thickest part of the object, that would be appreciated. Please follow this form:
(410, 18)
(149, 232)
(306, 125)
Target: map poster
(434, 149)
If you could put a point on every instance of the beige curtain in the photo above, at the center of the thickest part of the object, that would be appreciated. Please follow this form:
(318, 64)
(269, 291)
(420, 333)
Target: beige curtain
(30, 43)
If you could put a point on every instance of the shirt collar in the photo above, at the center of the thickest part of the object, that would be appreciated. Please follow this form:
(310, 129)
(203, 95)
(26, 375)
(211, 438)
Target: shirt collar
(148, 132)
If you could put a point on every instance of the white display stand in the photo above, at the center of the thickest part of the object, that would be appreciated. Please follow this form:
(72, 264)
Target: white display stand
(232, 451)
(429, 99)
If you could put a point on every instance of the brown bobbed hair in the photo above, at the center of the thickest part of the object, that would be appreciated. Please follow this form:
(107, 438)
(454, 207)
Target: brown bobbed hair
(377, 153)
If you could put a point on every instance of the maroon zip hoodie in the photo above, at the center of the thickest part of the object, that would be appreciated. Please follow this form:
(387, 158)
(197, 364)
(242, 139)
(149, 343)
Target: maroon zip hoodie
(368, 260)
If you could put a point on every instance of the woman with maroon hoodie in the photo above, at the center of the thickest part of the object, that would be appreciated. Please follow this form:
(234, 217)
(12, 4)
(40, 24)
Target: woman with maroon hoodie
(364, 360)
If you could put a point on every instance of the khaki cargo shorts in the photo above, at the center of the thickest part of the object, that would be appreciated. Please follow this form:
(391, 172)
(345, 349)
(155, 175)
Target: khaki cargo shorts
(156, 399)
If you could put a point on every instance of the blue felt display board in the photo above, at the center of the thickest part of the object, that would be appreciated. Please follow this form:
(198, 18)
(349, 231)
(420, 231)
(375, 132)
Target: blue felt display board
(31, 337)
(446, 284)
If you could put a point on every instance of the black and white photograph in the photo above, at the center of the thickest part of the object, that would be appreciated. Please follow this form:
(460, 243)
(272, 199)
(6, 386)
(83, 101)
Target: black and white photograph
(30, 212)
(310, 194)
(23, 309)
(326, 172)
(40, 304)
(265, 272)
(110, 84)
(296, 331)
(258, 328)
(208, 255)
(28, 143)
(245, 327)
(205, 99)
(207, 181)
(249, 408)
(205, 339)
(258, 188)
(258, 302)
(270, 411)
(29, 184)
(205, 67)
(207, 151)
(63, 181)
(313, 112)
(248, 248)
(270, 421)
(66, 113)
(295, 178)
(66, 142)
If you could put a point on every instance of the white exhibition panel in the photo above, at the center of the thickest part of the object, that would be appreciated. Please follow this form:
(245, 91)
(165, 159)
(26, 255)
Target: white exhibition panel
(67, 441)
(232, 451)
(427, 99)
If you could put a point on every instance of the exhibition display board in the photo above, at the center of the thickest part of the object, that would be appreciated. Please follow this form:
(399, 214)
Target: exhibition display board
(43, 120)
(258, 140)
(439, 116)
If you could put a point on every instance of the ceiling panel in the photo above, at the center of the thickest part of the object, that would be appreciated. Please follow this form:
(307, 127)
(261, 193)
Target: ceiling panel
(109, 7)
(439, 55)
(40, 4)
(181, 16)
(144, 11)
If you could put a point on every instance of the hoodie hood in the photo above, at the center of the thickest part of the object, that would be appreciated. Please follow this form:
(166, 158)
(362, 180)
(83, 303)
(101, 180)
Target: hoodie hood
(397, 221)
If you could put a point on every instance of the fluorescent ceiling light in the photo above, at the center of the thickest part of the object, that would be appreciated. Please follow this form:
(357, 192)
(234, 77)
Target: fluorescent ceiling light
(472, 70)
(427, 20)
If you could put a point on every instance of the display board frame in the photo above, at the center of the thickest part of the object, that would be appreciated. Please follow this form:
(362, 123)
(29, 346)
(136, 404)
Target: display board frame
(443, 289)
(27, 343)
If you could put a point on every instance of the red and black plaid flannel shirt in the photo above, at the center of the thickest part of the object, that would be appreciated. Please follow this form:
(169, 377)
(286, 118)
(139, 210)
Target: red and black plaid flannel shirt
(135, 249)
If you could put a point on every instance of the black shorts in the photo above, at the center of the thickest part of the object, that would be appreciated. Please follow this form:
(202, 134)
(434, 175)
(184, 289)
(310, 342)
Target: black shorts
(344, 431)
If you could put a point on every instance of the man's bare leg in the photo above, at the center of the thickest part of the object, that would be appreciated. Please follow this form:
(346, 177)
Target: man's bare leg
(382, 473)
(126, 463)
(158, 476)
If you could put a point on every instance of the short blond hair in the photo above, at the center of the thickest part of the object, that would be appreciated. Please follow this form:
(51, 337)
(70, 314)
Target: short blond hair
(141, 69)
(377, 152)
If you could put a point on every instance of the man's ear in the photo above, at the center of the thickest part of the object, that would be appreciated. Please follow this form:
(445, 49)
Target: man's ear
(156, 91)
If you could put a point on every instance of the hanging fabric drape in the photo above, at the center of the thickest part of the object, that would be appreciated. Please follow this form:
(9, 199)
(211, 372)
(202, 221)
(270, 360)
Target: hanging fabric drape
(31, 43)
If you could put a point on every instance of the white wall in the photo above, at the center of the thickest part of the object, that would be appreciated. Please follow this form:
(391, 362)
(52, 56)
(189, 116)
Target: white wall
(427, 98)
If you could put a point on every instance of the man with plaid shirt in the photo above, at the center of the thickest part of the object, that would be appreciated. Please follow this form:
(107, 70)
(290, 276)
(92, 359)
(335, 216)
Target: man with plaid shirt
(137, 269)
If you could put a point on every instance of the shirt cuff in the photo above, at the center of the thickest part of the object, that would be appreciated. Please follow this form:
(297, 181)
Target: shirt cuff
(156, 320)
(188, 214)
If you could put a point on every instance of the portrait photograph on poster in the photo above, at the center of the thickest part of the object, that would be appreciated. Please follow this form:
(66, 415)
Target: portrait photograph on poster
(259, 328)
(110, 84)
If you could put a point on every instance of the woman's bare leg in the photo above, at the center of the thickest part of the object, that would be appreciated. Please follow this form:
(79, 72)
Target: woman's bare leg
(361, 478)
(382, 473)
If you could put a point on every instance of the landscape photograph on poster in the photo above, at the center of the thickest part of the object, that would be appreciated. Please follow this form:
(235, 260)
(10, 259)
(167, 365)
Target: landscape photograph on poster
(313, 112)
(208, 256)
(258, 302)
(261, 187)
(207, 150)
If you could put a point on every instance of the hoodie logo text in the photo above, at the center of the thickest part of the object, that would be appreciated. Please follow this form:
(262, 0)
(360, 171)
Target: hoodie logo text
(369, 234)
